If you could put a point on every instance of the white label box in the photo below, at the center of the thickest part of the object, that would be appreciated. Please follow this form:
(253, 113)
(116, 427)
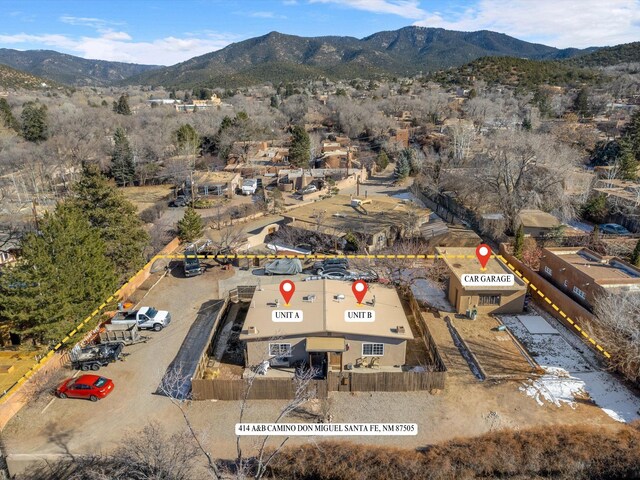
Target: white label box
(360, 316)
(487, 280)
(286, 316)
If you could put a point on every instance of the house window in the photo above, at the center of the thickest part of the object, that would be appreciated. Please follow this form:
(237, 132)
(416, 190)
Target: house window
(371, 349)
(548, 271)
(489, 300)
(280, 349)
(565, 283)
(579, 293)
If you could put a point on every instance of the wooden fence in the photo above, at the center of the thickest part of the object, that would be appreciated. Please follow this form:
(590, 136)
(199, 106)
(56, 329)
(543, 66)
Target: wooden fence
(430, 343)
(385, 381)
(258, 389)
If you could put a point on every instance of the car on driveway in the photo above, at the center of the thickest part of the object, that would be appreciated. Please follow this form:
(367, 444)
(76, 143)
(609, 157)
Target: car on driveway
(614, 229)
(92, 387)
(309, 189)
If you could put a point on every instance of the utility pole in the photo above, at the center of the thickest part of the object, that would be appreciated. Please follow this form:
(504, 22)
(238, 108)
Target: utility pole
(35, 214)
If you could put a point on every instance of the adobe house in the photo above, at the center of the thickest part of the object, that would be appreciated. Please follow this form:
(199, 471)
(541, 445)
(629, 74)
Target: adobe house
(485, 299)
(324, 338)
(584, 275)
(536, 223)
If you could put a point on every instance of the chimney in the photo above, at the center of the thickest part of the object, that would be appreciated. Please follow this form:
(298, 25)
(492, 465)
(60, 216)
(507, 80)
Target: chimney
(399, 329)
(252, 331)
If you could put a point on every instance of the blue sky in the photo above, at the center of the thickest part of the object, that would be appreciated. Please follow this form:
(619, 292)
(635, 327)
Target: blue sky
(169, 31)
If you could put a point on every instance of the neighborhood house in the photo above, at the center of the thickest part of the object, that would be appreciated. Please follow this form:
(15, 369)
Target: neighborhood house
(492, 299)
(584, 275)
(327, 330)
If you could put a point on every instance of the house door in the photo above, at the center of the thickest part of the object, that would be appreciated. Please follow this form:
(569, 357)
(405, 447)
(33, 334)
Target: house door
(335, 361)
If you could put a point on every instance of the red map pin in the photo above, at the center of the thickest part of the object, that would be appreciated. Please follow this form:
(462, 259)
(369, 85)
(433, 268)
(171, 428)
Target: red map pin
(483, 252)
(287, 288)
(359, 289)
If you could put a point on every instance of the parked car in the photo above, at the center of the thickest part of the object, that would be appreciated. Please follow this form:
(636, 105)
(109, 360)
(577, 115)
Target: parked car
(249, 186)
(145, 317)
(330, 262)
(191, 264)
(92, 387)
(309, 189)
(180, 201)
(95, 356)
(283, 266)
(614, 229)
(338, 275)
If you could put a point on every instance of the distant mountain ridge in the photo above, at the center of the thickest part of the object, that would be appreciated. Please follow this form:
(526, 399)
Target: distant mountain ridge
(12, 78)
(69, 69)
(407, 51)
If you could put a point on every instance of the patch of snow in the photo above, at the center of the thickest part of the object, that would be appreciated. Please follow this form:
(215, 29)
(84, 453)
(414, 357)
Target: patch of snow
(429, 292)
(556, 387)
(536, 324)
(408, 196)
(585, 227)
(569, 370)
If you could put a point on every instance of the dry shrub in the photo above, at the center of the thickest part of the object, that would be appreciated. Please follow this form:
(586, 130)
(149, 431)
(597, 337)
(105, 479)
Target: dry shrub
(559, 452)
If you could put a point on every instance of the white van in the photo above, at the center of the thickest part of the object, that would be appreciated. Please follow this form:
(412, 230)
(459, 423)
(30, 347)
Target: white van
(249, 186)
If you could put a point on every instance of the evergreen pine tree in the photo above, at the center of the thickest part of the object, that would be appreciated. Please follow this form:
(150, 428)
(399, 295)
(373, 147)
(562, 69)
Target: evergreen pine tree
(63, 274)
(6, 116)
(122, 167)
(191, 227)
(34, 122)
(300, 149)
(518, 243)
(581, 103)
(121, 107)
(403, 164)
(115, 218)
(635, 256)
(382, 160)
(628, 160)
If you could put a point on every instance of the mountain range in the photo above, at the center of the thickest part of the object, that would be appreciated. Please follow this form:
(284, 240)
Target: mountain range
(69, 69)
(277, 57)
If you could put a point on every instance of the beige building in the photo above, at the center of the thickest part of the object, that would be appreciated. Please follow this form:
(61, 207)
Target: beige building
(536, 223)
(323, 338)
(584, 275)
(494, 299)
(378, 221)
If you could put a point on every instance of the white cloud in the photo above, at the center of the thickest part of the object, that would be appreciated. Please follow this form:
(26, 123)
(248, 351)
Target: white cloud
(403, 8)
(560, 23)
(119, 46)
(87, 21)
(265, 15)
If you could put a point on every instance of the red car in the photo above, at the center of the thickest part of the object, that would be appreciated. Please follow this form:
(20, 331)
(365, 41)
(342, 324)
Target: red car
(93, 387)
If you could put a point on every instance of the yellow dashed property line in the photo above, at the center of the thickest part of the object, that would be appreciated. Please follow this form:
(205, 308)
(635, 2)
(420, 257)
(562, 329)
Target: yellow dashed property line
(315, 256)
(554, 306)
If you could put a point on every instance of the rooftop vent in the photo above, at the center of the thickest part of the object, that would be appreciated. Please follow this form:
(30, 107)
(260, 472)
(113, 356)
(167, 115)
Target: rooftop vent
(399, 329)
(252, 331)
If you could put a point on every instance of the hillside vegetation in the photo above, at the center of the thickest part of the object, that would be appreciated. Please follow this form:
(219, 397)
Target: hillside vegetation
(278, 57)
(69, 69)
(518, 72)
(557, 452)
(604, 57)
(11, 78)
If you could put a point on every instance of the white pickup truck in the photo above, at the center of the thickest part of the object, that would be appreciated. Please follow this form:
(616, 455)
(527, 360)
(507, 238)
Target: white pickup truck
(144, 317)
(249, 186)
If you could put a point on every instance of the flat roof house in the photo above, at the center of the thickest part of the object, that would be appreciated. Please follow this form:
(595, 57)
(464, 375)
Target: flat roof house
(377, 220)
(537, 223)
(324, 339)
(584, 275)
(486, 299)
